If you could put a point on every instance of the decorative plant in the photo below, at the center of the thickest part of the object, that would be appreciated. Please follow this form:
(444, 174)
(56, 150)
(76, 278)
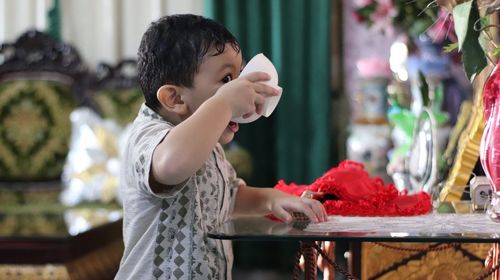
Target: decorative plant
(474, 31)
(463, 25)
(412, 17)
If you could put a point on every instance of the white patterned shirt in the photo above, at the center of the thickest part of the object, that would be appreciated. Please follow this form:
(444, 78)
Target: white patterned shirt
(165, 234)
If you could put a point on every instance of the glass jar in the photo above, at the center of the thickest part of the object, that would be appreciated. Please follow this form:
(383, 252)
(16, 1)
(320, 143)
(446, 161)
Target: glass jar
(490, 141)
(372, 97)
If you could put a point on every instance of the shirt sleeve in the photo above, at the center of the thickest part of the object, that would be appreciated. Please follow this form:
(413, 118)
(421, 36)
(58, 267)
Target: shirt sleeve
(146, 142)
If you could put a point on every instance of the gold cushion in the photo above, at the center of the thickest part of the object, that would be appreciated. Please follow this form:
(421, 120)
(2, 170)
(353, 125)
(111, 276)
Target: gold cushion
(35, 129)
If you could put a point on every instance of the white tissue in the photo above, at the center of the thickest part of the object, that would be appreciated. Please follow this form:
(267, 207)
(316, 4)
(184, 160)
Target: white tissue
(260, 63)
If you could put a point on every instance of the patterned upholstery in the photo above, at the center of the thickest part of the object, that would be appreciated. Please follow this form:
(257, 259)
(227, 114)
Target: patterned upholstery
(115, 92)
(400, 262)
(41, 81)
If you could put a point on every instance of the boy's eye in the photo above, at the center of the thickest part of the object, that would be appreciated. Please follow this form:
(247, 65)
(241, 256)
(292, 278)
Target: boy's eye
(227, 79)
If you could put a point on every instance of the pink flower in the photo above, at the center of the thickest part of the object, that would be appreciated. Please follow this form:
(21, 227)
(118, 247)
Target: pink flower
(362, 3)
(442, 28)
(383, 16)
(385, 8)
(359, 18)
(373, 67)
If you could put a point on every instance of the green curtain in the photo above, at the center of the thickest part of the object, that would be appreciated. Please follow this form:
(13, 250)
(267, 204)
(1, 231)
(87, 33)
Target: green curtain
(54, 19)
(294, 143)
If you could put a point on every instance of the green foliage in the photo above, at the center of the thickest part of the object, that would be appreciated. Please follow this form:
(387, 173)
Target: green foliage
(366, 11)
(451, 47)
(414, 17)
(465, 16)
(461, 14)
(424, 89)
(411, 17)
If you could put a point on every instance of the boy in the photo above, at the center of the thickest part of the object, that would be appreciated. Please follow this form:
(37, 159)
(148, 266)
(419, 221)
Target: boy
(176, 182)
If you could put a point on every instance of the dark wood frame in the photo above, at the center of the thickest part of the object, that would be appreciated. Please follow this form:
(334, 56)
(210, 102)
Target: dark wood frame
(37, 54)
(42, 250)
(115, 77)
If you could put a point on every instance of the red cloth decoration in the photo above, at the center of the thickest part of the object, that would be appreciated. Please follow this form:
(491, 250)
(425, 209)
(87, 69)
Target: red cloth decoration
(351, 192)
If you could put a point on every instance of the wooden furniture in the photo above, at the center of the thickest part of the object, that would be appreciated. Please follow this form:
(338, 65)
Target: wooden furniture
(41, 82)
(114, 91)
(397, 260)
(82, 243)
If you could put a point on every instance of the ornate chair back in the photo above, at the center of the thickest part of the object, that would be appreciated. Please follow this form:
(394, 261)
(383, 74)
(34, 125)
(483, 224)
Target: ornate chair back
(41, 82)
(115, 91)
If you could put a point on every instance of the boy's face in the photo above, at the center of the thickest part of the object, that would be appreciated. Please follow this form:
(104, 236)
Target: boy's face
(214, 72)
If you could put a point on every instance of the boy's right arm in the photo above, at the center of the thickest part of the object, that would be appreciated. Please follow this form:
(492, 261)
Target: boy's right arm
(188, 145)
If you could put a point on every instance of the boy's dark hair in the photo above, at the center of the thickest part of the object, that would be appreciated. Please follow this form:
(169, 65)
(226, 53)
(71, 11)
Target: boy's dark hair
(172, 49)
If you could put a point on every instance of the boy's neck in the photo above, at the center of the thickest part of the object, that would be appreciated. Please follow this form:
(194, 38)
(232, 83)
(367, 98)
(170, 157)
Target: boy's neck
(170, 116)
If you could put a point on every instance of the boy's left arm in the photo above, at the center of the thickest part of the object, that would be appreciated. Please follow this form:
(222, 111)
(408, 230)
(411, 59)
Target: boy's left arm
(263, 201)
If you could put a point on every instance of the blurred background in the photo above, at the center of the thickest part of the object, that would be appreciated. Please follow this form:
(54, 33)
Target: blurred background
(351, 73)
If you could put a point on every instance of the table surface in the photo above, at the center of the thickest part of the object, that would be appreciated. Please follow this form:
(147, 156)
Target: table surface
(464, 228)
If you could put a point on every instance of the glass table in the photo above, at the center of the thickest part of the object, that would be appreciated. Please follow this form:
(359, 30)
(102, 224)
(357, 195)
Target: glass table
(445, 228)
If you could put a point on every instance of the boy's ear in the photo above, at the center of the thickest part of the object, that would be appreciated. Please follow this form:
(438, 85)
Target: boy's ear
(170, 98)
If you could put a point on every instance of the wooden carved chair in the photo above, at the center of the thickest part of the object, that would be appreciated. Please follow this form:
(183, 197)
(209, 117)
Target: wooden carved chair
(115, 91)
(41, 82)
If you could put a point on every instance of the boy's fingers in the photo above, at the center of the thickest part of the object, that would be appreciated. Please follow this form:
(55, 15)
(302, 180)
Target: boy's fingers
(247, 115)
(257, 77)
(283, 215)
(259, 99)
(317, 208)
(258, 106)
(307, 210)
(320, 210)
(258, 109)
(311, 194)
(266, 90)
(323, 211)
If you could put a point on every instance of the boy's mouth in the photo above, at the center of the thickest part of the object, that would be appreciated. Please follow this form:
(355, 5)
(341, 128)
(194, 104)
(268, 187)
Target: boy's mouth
(233, 126)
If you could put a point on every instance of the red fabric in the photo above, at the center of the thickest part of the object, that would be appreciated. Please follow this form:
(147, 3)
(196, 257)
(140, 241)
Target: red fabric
(351, 192)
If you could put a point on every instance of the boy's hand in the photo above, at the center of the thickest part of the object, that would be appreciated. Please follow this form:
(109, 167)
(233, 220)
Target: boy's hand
(246, 95)
(282, 206)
